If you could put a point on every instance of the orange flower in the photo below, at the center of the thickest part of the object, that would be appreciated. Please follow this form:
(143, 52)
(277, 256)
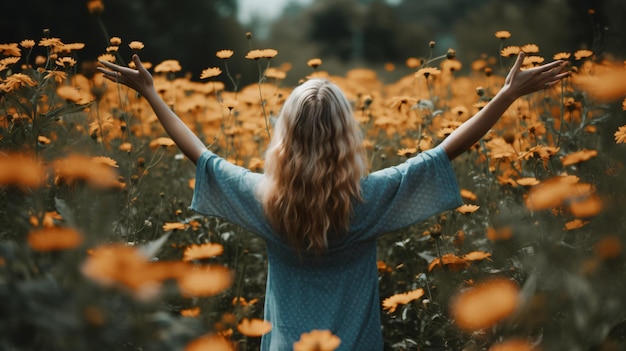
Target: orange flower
(105, 161)
(264, 53)
(136, 45)
(207, 250)
(575, 224)
(254, 327)
(581, 54)
(588, 207)
(210, 342)
(552, 192)
(174, 226)
(450, 261)
(609, 247)
(504, 233)
(275, 73)
(168, 66)
(392, 302)
(49, 219)
(314, 62)
(530, 49)
(190, 312)
(620, 135)
(510, 51)
(503, 34)
(21, 170)
(82, 168)
(562, 56)
(466, 194)
(476, 256)
(162, 141)
(427, 71)
(73, 94)
(27, 43)
(317, 340)
(224, 54)
(210, 72)
(204, 281)
(54, 239)
(578, 156)
(513, 345)
(485, 304)
(467, 208)
(406, 152)
(530, 181)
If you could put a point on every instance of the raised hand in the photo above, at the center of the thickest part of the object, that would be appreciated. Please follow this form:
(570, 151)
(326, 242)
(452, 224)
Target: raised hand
(521, 82)
(138, 79)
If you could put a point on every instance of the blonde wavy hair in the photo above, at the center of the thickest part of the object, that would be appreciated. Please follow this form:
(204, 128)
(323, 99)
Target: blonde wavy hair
(313, 166)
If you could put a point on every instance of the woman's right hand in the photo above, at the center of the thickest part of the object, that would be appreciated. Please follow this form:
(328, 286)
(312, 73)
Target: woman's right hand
(138, 79)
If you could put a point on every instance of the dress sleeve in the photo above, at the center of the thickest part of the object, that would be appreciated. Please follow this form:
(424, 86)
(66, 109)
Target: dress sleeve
(228, 191)
(405, 194)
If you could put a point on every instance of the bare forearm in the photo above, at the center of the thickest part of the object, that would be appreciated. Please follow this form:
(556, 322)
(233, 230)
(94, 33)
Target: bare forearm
(184, 138)
(473, 129)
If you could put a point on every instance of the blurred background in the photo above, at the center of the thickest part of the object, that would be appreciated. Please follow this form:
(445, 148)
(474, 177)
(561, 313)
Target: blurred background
(343, 33)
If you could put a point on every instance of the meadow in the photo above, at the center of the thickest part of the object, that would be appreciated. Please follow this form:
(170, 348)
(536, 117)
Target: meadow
(99, 251)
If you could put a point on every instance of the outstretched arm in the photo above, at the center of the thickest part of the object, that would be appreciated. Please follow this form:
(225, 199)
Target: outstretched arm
(140, 80)
(517, 83)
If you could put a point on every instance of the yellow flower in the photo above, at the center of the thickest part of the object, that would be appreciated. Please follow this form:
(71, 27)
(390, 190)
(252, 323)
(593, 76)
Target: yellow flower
(503, 34)
(168, 66)
(578, 156)
(22, 170)
(210, 72)
(95, 7)
(230, 103)
(50, 42)
(530, 181)
(413, 62)
(105, 161)
(65, 61)
(75, 168)
(392, 302)
(427, 71)
(16, 81)
(263, 53)
(275, 73)
(115, 41)
(467, 208)
(136, 45)
(107, 57)
(43, 140)
(11, 60)
(210, 342)
(72, 94)
(190, 312)
(27, 43)
(406, 152)
(513, 345)
(254, 327)
(224, 54)
(510, 51)
(317, 340)
(207, 250)
(620, 135)
(562, 56)
(10, 49)
(54, 239)
(174, 226)
(581, 54)
(314, 62)
(112, 48)
(162, 141)
(204, 281)
(485, 304)
(530, 49)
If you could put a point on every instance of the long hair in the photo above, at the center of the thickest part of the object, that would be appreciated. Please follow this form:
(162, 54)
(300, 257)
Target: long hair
(313, 166)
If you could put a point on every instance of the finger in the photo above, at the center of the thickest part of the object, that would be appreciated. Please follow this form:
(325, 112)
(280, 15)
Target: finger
(551, 65)
(518, 63)
(139, 64)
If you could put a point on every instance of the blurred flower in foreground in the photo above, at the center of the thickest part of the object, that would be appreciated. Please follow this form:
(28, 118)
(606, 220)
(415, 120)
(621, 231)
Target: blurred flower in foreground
(392, 302)
(513, 345)
(578, 156)
(210, 342)
(75, 168)
(199, 281)
(168, 66)
(22, 170)
(254, 327)
(317, 340)
(207, 250)
(485, 304)
(606, 83)
(190, 312)
(554, 191)
(54, 238)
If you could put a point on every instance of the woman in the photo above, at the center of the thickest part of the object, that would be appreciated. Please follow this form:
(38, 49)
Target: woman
(317, 208)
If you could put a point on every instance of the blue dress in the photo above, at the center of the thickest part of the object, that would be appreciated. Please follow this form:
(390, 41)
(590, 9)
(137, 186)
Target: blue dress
(338, 290)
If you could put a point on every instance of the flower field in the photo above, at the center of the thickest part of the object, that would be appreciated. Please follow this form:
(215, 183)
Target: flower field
(98, 250)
